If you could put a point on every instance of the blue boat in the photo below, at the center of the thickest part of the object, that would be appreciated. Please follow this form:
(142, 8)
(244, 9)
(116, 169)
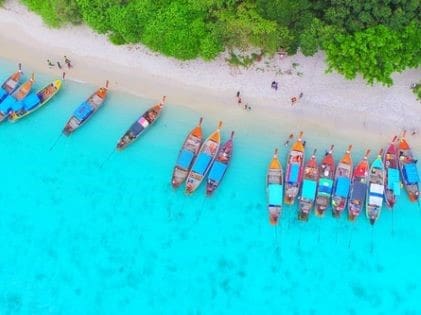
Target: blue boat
(309, 188)
(36, 100)
(341, 187)
(187, 154)
(408, 169)
(324, 191)
(14, 102)
(204, 160)
(375, 192)
(86, 110)
(220, 165)
(274, 188)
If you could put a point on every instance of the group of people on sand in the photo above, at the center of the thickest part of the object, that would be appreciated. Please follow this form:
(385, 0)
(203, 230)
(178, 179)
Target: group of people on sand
(240, 101)
(66, 61)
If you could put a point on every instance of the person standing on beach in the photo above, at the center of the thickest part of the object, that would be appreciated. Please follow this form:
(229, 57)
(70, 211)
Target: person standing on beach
(50, 64)
(68, 62)
(59, 64)
(293, 100)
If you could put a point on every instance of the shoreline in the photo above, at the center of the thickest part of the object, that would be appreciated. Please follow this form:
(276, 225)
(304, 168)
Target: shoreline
(331, 104)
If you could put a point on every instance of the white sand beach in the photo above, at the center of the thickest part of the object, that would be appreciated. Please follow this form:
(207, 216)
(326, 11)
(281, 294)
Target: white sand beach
(330, 102)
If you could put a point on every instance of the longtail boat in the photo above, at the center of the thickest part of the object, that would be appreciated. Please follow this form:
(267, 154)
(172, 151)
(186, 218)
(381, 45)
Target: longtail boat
(274, 188)
(325, 187)
(220, 165)
(392, 183)
(204, 160)
(375, 191)
(187, 154)
(294, 171)
(342, 185)
(35, 101)
(147, 119)
(408, 168)
(14, 101)
(358, 191)
(86, 110)
(10, 84)
(309, 188)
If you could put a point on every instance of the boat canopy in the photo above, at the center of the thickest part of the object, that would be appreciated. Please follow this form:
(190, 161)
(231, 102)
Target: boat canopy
(31, 101)
(309, 189)
(185, 159)
(410, 173)
(325, 185)
(7, 104)
(136, 128)
(359, 191)
(275, 194)
(376, 190)
(392, 177)
(342, 187)
(217, 171)
(375, 201)
(83, 111)
(202, 163)
(294, 171)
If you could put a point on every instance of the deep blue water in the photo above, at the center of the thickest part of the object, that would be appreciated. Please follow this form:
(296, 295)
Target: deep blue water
(84, 230)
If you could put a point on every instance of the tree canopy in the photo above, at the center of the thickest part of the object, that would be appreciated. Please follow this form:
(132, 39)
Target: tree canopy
(373, 38)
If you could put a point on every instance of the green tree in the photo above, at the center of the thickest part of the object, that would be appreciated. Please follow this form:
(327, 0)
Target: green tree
(180, 31)
(374, 53)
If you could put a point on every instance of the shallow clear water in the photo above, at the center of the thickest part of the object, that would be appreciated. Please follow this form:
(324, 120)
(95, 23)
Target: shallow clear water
(85, 230)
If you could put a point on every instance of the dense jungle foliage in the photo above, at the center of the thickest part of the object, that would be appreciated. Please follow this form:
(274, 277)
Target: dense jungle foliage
(373, 38)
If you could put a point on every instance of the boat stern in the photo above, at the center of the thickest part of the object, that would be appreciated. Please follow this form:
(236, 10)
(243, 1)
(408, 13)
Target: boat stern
(274, 214)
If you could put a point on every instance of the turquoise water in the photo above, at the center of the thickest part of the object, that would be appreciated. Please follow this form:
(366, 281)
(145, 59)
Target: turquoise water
(84, 230)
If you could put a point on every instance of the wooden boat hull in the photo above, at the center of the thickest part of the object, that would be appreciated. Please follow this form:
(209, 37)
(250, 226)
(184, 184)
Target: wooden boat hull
(392, 181)
(220, 166)
(34, 101)
(294, 172)
(308, 189)
(204, 160)
(375, 192)
(10, 85)
(274, 189)
(85, 111)
(141, 125)
(342, 184)
(408, 170)
(13, 102)
(186, 155)
(358, 193)
(325, 185)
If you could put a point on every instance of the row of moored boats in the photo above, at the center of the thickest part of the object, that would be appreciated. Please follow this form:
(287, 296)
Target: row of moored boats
(316, 186)
(17, 100)
(342, 186)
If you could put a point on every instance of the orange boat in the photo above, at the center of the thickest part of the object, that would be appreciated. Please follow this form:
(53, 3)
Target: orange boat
(408, 168)
(294, 171)
(326, 176)
(358, 188)
(392, 183)
(343, 175)
(14, 102)
(86, 110)
(309, 188)
(274, 188)
(10, 84)
(187, 154)
(204, 160)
